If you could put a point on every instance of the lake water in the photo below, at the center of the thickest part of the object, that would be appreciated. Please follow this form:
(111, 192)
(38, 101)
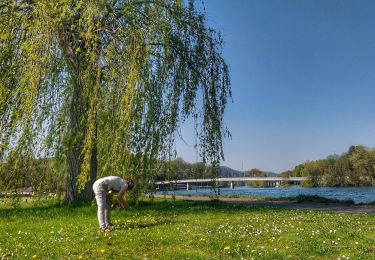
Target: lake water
(358, 195)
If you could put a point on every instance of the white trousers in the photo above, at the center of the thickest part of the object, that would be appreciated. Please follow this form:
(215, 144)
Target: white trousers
(104, 213)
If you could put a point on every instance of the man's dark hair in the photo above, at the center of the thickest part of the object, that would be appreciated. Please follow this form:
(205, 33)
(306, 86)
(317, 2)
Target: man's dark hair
(130, 184)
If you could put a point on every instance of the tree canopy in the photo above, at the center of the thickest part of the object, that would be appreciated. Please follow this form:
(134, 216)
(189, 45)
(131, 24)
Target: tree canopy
(105, 85)
(353, 168)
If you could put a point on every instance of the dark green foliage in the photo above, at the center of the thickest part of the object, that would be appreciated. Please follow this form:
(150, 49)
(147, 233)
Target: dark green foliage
(316, 198)
(39, 174)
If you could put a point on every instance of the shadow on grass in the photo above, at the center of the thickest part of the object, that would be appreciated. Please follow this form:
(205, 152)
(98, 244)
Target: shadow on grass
(316, 198)
(140, 225)
(43, 209)
(170, 207)
(163, 211)
(149, 214)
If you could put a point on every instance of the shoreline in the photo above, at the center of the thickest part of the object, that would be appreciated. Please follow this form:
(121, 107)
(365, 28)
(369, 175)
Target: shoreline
(279, 203)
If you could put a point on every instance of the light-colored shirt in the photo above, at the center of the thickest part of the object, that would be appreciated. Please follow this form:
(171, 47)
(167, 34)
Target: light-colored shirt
(114, 183)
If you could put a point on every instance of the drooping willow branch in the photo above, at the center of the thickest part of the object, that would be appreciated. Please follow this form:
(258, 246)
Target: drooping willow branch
(109, 83)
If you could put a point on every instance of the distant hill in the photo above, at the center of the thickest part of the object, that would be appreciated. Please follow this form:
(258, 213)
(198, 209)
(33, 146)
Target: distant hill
(227, 172)
(185, 170)
(271, 174)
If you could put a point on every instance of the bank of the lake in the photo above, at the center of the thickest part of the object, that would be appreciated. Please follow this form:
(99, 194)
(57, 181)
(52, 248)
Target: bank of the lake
(356, 194)
(304, 203)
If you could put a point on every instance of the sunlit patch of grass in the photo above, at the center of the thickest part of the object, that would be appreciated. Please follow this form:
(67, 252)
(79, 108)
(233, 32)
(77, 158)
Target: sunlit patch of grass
(180, 229)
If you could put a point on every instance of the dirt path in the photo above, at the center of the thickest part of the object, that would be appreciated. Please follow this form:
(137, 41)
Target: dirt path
(333, 207)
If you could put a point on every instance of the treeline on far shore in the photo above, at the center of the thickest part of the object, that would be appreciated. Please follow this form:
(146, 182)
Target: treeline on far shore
(355, 168)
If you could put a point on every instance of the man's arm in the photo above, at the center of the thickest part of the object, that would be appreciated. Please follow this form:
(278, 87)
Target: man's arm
(121, 199)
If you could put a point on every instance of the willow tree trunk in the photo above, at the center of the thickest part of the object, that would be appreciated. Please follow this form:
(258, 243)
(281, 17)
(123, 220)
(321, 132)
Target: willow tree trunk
(78, 130)
(78, 113)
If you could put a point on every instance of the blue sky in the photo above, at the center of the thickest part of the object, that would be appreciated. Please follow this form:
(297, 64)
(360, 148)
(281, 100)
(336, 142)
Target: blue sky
(303, 80)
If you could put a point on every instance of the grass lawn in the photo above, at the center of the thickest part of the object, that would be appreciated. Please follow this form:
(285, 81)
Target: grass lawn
(44, 229)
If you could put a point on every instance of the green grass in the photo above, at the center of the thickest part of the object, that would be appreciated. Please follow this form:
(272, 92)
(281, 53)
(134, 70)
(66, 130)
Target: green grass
(44, 229)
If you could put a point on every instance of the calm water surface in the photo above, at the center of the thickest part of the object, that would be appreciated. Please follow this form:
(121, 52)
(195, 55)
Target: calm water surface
(358, 195)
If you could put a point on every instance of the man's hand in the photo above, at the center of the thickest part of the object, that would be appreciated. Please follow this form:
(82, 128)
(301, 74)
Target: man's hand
(115, 205)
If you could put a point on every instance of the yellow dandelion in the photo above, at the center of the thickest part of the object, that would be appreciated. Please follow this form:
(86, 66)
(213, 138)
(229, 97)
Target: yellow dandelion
(80, 257)
(34, 256)
(102, 250)
(227, 248)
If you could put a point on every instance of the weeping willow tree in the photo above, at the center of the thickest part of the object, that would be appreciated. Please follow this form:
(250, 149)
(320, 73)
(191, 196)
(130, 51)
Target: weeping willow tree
(106, 84)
